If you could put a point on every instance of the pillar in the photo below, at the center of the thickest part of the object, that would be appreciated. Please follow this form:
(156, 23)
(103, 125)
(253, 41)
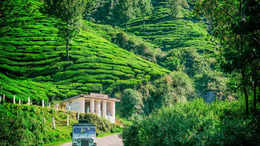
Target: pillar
(113, 111)
(57, 106)
(98, 108)
(19, 101)
(104, 110)
(14, 99)
(82, 106)
(92, 105)
(29, 101)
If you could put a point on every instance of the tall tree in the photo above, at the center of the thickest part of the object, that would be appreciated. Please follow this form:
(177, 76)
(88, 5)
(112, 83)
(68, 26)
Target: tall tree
(236, 24)
(176, 6)
(70, 12)
(119, 12)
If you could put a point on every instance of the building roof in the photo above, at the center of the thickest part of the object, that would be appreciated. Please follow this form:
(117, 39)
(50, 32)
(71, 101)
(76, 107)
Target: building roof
(95, 96)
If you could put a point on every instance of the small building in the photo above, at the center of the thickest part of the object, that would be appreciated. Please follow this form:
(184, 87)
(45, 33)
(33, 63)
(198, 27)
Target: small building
(100, 104)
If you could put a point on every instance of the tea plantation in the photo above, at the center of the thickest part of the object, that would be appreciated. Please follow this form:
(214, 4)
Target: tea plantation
(33, 63)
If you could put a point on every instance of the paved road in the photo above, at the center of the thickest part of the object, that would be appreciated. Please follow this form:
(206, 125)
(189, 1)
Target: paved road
(112, 140)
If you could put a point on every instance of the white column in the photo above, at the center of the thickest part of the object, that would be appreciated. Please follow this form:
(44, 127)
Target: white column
(14, 99)
(92, 105)
(29, 101)
(113, 111)
(19, 101)
(57, 106)
(98, 108)
(104, 110)
(82, 104)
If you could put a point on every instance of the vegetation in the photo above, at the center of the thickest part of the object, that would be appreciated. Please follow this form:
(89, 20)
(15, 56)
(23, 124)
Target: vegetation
(32, 125)
(32, 58)
(131, 103)
(158, 56)
(234, 24)
(117, 12)
(70, 12)
(195, 123)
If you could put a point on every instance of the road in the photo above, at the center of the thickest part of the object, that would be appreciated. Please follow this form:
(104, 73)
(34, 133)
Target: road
(112, 140)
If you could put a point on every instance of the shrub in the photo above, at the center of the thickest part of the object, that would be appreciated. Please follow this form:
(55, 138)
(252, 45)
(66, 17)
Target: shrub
(194, 123)
(131, 103)
(102, 124)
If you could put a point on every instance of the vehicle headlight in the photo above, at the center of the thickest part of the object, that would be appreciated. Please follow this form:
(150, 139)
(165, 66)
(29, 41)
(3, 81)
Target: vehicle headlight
(92, 140)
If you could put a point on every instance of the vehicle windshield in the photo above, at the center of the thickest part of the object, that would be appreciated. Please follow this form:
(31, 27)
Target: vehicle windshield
(84, 130)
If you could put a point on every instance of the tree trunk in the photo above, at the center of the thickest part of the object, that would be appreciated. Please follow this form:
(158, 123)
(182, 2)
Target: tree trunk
(254, 108)
(245, 91)
(67, 50)
(254, 88)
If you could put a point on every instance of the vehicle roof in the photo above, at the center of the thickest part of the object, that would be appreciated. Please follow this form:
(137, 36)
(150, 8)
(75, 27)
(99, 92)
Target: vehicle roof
(84, 124)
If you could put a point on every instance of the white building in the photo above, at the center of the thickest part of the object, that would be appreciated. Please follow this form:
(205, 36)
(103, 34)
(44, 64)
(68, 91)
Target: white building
(99, 104)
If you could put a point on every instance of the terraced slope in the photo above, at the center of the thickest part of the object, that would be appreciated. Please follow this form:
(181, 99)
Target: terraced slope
(33, 64)
(168, 32)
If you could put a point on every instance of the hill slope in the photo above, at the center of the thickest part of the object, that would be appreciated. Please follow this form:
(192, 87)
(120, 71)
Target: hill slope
(33, 64)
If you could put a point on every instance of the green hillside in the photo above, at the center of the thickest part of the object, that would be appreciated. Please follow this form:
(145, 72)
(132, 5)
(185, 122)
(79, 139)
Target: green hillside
(33, 63)
(32, 125)
(170, 32)
(185, 45)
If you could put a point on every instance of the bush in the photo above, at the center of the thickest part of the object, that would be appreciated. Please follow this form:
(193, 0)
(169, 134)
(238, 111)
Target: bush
(194, 123)
(131, 103)
(102, 124)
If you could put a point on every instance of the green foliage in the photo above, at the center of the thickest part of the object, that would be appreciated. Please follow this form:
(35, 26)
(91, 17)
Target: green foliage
(32, 125)
(165, 91)
(131, 103)
(176, 6)
(70, 11)
(102, 125)
(194, 123)
(236, 25)
(118, 12)
(32, 58)
(173, 88)
(211, 81)
(24, 125)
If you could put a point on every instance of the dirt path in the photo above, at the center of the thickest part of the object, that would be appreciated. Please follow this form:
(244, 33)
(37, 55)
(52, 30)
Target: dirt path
(112, 140)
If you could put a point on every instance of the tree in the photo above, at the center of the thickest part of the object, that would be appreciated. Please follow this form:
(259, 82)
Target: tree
(131, 103)
(176, 6)
(70, 12)
(118, 12)
(236, 24)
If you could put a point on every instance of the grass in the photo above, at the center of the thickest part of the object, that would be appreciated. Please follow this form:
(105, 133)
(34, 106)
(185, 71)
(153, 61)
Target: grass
(58, 143)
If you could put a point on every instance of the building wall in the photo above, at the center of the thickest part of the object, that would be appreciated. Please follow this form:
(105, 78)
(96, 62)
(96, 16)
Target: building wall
(78, 106)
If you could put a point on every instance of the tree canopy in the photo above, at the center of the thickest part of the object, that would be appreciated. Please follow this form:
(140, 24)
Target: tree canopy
(234, 23)
(70, 12)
